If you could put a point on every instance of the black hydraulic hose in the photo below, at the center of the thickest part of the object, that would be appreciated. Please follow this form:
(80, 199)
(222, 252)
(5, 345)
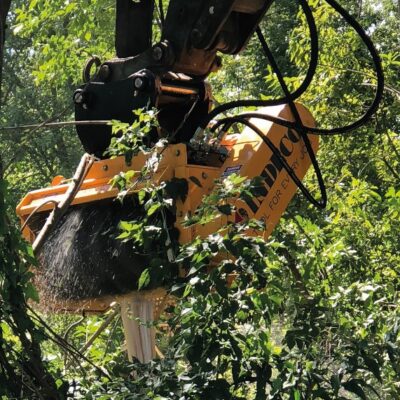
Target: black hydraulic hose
(298, 125)
(320, 131)
(291, 97)
(296, 94)
(161, 11)
(281, 159)
(257, 115)
(301, 129)
(378, 69)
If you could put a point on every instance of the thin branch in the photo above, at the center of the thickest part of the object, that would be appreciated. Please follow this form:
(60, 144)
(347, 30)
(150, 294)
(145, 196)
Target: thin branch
(392, 145)
(57, 339)
(67, 333)
(72, 326)
(293, 217)
(388, 88)
(35, 211)
(32, 129)
(295, 272)
(110, 336)
(391, 169)
(48, 124)
(58, 212)
(99, 331)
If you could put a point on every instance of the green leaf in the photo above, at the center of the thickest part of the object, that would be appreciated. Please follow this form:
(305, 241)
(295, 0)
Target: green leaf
(353, 386)
(31, 292)
(125, 226)
(153, 209)
(141, 196)
(372, 366)
(187, 291)
(124, 235)
(335, 382)
(290, 339)
(144, 279)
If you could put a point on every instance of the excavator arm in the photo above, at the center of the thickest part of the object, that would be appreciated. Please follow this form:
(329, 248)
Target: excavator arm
(134, 27)
(169, 75)
(192, 33)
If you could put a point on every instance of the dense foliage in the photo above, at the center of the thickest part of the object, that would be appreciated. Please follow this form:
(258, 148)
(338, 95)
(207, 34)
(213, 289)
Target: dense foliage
(312, 314)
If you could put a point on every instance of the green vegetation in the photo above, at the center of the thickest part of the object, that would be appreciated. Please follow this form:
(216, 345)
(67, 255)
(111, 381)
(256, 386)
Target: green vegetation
(312, 314)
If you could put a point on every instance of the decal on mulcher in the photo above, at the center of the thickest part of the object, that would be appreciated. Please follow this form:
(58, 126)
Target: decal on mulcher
(232, 170)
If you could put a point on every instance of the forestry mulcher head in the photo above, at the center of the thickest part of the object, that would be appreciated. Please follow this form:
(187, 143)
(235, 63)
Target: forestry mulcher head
(82, 263)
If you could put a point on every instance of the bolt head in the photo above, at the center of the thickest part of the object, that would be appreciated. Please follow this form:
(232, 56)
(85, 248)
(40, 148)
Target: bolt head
(158, 53)
(104, 72)
(139, 83)
(78, 97)
(195, 36)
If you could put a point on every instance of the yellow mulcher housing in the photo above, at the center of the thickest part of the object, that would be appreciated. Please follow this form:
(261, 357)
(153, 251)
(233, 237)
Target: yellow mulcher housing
(248, 156)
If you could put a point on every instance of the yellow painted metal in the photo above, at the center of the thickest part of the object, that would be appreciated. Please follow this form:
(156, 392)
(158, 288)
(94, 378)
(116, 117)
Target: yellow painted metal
(249, 156)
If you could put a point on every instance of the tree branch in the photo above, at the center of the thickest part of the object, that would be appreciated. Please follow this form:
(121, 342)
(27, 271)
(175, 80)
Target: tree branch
(391, 169)
(291, 263)
(58, 212)
(48, 124)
